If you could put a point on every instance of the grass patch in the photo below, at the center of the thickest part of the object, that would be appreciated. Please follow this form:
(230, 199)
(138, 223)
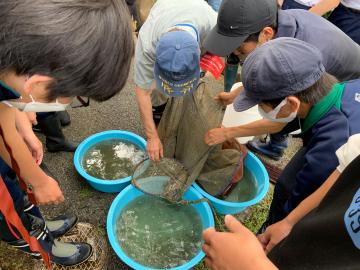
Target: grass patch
(253, 221)
(259, 212)
(85, 193)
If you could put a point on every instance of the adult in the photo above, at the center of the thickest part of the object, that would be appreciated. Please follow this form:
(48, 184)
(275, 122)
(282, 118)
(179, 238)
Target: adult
(168, 52)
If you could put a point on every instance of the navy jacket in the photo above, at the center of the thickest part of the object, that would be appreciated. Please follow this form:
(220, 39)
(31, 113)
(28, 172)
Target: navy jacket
(323, 140)
(341, 55)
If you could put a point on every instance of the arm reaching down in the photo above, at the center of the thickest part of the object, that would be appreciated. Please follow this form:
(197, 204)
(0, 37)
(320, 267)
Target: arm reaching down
(278, 231)
(256, 128)
(154, 146)
(275, 233)
(324, 6)
(45, 188)
(24, 126)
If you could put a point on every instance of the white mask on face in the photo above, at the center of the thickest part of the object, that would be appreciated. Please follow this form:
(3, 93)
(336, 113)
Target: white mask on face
(35, 106)
(272, 114)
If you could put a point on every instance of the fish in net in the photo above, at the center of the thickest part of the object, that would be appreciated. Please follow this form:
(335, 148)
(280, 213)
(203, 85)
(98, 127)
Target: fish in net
(186, 120)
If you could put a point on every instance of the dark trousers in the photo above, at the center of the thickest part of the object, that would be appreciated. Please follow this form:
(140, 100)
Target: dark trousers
(291, 4)
(20, 203)
(348, 20)
(43, 115)
(283, 188)
(284, 133)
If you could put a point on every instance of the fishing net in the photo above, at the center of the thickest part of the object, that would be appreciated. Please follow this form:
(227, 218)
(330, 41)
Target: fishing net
(188, 158)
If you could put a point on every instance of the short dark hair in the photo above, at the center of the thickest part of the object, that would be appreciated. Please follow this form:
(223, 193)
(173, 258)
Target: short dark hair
(311, 95)
(254, 37)
(86, 46)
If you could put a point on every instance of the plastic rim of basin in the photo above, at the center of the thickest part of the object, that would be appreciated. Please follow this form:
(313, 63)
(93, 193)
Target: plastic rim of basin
(100, 184)
(130, 193)
(258, 170)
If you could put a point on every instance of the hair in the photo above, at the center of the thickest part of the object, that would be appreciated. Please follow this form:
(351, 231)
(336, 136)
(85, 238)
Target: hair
(311, 95)
(255, 36)
(86, 46)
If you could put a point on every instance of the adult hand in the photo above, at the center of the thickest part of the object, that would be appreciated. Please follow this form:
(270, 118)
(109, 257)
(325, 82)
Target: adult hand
(216, 136)
(35, 147)
(274, 234)
(48, 192)
(154, 148)
(226, 98)
(236, 249)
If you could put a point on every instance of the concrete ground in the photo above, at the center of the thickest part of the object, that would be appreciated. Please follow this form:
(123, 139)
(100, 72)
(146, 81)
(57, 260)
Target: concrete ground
(91, 206)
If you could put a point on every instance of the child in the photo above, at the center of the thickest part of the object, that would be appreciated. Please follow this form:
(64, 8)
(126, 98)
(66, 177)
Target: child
(345, 14)
(321, 233)
(51, 51)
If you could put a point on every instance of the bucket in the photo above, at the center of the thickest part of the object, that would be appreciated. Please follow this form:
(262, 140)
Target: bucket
(100, 184)
(130, 193)
(256, 167)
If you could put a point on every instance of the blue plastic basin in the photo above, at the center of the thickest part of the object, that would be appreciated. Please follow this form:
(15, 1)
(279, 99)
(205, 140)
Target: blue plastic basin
(100, 184)
(253, 164)
(129, 194)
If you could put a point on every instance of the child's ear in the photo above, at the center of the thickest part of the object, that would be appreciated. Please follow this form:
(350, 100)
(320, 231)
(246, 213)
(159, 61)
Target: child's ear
(37, 84)
(266, 34)
(294, 103)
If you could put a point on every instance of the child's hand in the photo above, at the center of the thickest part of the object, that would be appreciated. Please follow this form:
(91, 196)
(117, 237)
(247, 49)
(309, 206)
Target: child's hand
(32, 118)
(274, 234)
(35, 147)
(216, 136)
(225, 98)
(237, 249)
(48, 193)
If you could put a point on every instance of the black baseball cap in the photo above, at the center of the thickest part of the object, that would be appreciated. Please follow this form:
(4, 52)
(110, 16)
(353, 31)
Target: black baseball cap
(237, 20)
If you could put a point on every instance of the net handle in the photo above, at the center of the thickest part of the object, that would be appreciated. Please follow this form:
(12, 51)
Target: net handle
(182, 202)
(218, 221)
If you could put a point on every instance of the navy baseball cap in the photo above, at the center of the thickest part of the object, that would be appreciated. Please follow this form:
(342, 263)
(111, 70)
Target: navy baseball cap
(280, 68)
(237, 20)
(177, 64)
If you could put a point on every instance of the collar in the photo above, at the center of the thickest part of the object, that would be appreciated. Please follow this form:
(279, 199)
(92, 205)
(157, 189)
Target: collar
(8, 92)
(287, 24)
(324, 106)
(191, 29)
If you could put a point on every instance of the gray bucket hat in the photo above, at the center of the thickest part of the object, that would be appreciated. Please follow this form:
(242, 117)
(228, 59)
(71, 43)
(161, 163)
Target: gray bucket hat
(277, 69)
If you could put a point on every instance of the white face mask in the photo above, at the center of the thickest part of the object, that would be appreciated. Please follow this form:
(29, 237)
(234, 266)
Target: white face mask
(35, 106)
(272, 114)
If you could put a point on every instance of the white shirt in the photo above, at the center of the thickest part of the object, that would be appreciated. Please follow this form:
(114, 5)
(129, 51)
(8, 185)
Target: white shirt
(308, 3)
(355, 4)
(348, 152)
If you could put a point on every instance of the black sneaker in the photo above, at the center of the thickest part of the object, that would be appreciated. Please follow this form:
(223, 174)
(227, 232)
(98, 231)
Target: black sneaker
(270, 148)
(57, 226)
(66, 254)
(61, 225)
